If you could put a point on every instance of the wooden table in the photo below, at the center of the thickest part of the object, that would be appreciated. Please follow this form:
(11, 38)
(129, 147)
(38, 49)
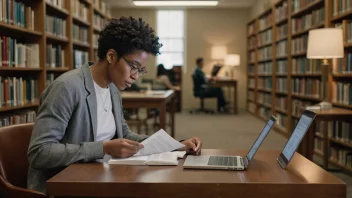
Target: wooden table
(153, 99)
(228, 83)
(323, 115)
(264, 178)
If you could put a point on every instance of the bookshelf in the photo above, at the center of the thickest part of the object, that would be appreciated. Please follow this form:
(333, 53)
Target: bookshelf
(283, 81)
(43, 39)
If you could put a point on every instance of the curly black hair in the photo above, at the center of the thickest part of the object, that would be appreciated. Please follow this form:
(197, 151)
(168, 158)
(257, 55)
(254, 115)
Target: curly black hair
(125, 35)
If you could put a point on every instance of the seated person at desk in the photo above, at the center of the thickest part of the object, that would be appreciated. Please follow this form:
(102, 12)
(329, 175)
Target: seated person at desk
(202, 89)
(80, 116)
(162, 80)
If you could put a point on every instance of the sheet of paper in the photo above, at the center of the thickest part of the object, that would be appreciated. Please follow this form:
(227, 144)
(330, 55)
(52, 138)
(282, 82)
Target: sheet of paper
(159, 142)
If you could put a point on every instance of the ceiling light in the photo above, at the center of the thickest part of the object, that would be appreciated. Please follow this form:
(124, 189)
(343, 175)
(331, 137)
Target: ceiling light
(175, 3)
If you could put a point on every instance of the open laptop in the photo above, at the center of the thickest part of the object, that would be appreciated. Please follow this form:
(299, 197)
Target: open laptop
(229, 162)
(297, 135)
(215, 70)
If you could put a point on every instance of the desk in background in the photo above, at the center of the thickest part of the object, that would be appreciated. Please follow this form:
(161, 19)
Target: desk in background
(228, 83)
(159, 101)
(264, 178)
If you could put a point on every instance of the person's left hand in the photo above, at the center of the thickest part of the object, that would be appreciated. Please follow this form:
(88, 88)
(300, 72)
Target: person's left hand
(192, 146)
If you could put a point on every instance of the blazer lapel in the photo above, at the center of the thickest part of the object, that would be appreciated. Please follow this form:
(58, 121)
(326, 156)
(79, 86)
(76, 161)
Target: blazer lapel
(115, 111)
(91, 98)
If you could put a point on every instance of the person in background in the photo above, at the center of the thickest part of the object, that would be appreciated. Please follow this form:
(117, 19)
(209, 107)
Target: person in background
(202, 89)
(80, 117)
(162, 81)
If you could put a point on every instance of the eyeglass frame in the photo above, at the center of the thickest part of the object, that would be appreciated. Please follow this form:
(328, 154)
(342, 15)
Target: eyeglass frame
(140, 72)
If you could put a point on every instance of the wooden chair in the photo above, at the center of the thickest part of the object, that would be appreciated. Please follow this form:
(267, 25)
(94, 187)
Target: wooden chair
(14, 141)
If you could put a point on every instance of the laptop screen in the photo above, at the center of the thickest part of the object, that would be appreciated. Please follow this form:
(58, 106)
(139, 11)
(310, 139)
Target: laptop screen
(296, 137)
(260, 139)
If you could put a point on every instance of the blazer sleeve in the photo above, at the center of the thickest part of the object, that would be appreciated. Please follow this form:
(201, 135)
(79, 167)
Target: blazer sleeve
(45, 150)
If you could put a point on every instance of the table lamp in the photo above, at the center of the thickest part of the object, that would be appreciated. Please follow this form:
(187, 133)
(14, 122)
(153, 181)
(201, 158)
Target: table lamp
(232, 60)
(325, 43)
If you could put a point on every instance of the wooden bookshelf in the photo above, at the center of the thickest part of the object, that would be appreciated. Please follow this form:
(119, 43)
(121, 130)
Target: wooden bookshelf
(39, 35)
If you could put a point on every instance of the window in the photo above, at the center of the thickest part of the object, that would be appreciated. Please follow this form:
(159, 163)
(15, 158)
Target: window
(170, 29)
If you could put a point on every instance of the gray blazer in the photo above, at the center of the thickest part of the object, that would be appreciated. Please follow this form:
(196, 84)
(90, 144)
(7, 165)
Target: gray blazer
(66, 126)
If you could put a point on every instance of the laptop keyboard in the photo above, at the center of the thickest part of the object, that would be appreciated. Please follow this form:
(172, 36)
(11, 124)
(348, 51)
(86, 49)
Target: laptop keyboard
(222, 161)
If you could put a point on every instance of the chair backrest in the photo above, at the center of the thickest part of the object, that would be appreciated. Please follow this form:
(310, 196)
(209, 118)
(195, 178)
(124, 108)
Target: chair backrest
(14, 142)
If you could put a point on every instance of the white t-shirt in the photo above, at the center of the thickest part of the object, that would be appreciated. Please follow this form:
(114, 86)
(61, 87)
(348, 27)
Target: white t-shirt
(106, 126)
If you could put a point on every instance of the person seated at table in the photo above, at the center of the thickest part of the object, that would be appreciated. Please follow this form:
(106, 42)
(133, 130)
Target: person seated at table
(202, 89)
(162, 80)
(80, 117)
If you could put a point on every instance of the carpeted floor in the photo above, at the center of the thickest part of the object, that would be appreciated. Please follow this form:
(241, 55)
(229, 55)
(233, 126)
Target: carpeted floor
(233, 132)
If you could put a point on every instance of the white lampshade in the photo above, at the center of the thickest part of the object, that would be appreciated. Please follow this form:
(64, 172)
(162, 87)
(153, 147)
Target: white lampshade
(218, 52)
(232, 60)
(325, 43)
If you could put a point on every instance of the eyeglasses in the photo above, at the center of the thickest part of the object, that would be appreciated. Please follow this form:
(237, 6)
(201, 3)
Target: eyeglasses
(134, 69)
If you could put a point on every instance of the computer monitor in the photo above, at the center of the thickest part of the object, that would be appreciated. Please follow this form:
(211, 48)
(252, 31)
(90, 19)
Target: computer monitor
(215, 70)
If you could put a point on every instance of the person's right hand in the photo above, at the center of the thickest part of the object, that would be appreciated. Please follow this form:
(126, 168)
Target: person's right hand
(121, 148)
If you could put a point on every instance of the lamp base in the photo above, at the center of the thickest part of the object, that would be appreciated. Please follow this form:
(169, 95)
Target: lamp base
(325, 105)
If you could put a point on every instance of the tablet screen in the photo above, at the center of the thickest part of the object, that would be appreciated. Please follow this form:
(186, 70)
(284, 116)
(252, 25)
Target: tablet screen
(297, 136)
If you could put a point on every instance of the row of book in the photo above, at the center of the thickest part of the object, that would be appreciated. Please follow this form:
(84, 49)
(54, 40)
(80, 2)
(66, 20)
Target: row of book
(250, 29)
(281, 103)
(80, 33)
(265, 21)
(17, 13)
(346, 26)
(55, 56)
(282, 31)
(264, 98)
(303, 65)
(342, 65)
(79, 10)
(251, 57)
(338, 130)
(50, 77)
(297, 106)
(79, 58)
(299, 4)
(251, 69)
(19, 117)
(281, 48)
(264, 112)
(341, 6)
(265, 83)
(308, 21)
(265, 53)
(341, 155)
(17, 91)
(99, 21)
(282, 121)
(281, 12)
(306, 87)
(265, 37)
(252, 42)
(281, 85)
(281, 67)
(342, 92)
(55, 26)
(95, 39)
(251, 82)
(16, 54)
(102, 6)
(57, 3)
(250, 95)
(252, 107)
(265, 68)
(299, 44)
